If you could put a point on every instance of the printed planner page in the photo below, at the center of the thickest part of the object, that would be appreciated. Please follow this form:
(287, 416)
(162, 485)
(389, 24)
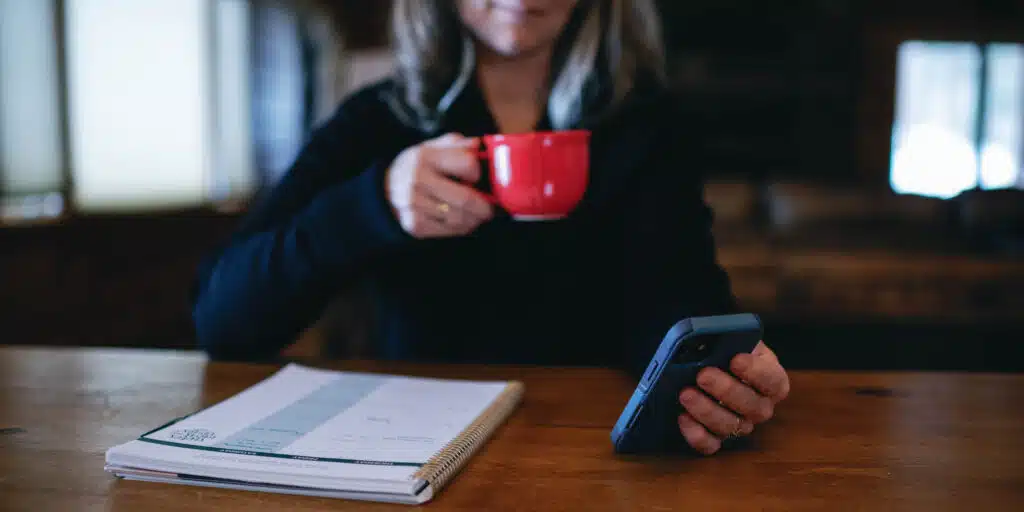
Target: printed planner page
(318, 415)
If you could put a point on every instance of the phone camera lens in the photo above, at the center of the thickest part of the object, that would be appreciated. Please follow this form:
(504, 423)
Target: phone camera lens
(697, 352)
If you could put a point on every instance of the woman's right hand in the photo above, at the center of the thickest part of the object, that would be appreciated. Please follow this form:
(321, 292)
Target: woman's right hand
(427, 188)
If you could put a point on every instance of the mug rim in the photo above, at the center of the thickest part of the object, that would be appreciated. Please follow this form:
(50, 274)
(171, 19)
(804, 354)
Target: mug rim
(559, 134)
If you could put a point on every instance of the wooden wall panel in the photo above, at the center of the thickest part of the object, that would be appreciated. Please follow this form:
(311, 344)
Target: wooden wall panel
(113, 281)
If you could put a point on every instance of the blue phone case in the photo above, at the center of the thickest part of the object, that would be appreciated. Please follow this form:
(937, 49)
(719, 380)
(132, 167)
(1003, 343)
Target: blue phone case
(649, 422)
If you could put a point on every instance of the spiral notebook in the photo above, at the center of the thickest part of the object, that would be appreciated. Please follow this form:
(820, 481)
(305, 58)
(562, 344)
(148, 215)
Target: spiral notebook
(326, 433)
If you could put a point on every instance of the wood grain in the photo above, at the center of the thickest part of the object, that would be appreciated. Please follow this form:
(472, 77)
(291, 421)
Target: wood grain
(844, 441)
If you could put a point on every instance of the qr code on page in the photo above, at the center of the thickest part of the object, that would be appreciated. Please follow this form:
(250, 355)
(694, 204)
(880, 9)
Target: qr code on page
(194, 435)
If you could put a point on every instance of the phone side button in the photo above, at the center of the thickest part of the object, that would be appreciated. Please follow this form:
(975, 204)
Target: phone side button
(636, 414)
(651, 372)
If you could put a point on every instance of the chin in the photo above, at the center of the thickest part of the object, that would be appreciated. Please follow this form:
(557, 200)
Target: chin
(513, 28)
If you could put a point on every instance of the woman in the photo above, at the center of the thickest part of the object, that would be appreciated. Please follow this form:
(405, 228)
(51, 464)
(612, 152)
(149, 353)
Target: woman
(389, 191)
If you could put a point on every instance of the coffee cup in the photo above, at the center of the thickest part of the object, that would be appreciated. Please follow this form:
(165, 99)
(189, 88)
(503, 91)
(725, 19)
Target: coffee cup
(538, 176)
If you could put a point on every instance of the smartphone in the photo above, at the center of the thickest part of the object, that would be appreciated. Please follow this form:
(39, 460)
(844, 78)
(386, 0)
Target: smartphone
(649, 422)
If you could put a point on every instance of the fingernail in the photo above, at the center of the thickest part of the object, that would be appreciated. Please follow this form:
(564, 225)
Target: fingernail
(688, 395)
(704, 379)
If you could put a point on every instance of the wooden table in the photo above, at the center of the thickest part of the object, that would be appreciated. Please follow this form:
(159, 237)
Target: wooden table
(844, 441)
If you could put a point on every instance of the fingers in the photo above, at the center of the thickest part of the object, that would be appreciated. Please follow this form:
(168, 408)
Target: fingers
(454, 220)
(424, 218)
(426, 206)
(423, 188)
(762, 350)
(697, 436)
(735, 395)
(460, 197)
(762, 371)
(422, 226)
(452, 156)
(712, 416)
(732, 405)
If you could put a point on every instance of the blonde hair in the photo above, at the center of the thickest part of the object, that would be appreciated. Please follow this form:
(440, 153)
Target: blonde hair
(598, 58)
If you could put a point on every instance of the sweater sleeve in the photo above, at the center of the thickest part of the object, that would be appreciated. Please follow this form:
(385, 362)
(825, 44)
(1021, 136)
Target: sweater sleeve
(326, 218)
(671, 270)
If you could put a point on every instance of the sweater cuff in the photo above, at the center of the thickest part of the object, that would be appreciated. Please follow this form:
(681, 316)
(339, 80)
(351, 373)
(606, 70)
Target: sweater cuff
(351, 222)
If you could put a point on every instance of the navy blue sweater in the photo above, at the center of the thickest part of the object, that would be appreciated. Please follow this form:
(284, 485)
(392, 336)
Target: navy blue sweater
(598, 288)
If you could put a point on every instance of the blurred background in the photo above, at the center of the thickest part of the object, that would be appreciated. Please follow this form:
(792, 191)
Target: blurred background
(866, 161)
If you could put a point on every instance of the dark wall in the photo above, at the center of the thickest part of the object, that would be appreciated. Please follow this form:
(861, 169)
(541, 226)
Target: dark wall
(777, 83)
(804, 89)
(104, 281)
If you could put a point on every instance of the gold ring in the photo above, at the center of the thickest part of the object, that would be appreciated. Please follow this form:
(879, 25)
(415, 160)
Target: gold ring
(444, 207)
(737, 432)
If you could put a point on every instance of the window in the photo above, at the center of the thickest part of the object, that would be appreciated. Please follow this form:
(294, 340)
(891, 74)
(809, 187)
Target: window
(279, 80)
(144, 105)
(140, 126)
(959, 121)
(31, 154)
(1002, 147)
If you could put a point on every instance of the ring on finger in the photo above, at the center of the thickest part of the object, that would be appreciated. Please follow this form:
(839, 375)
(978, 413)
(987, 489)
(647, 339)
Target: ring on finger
(445, 212)
(737, 431)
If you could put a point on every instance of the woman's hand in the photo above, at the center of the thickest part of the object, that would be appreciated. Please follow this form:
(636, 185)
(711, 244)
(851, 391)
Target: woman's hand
(736, 404)
(428, 202)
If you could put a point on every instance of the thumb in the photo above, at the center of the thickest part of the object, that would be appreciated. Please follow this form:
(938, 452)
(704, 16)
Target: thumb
(454, 162)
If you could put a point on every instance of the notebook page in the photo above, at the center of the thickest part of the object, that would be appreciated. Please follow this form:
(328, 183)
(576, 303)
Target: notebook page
(313, 415)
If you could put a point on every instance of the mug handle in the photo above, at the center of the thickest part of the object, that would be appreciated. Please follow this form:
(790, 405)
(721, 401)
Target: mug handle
(483, 155)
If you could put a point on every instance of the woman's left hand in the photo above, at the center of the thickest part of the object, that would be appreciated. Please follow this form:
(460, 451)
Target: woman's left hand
(731, 406)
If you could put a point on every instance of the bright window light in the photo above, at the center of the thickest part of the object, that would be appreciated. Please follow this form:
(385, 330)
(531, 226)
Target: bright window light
(938, 104)
(140, 96)
(236, 174)
(31, 160)
(1003, 144)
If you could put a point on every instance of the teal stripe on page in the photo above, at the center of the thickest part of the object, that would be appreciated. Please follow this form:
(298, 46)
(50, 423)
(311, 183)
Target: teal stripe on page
(283, 455)
(269, 435)
(277, 431)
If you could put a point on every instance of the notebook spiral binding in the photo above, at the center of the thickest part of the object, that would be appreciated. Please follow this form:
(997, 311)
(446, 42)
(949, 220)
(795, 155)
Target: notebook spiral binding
(440, 469)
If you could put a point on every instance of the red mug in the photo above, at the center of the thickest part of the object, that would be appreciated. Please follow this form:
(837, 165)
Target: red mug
(538, 175)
